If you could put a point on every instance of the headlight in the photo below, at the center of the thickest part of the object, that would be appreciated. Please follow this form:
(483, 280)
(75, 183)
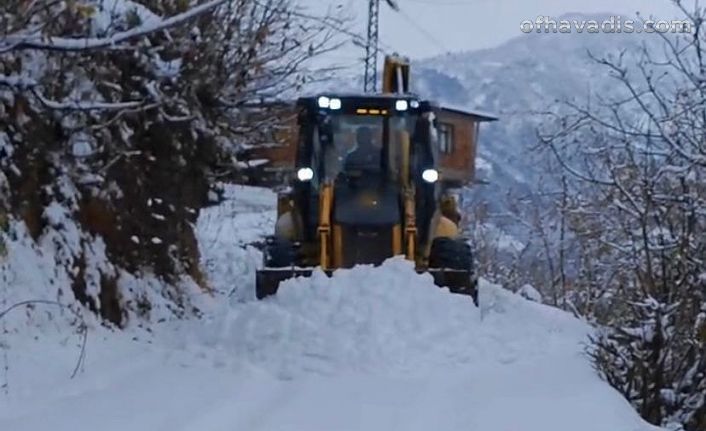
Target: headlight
(324, 102)
(305, 174)
(430, 175)
(401, 105)
(414, 104)
(335, 104)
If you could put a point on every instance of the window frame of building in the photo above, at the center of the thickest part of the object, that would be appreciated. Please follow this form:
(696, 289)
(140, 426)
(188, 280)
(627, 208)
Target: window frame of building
(446, 138)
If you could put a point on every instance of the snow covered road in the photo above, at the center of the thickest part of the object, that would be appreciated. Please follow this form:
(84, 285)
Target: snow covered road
(326, 355)
(370, 349)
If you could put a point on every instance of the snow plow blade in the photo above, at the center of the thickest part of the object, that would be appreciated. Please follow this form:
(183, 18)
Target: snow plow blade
(457, 281)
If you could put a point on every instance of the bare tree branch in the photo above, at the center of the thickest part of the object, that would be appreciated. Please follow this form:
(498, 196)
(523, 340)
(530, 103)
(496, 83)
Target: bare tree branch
(37, 41)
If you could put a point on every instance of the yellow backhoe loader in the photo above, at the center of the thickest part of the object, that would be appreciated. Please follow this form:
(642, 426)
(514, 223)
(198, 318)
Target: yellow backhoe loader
(366, 188)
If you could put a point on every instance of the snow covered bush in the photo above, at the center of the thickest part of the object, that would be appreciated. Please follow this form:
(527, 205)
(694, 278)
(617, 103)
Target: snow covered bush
(528, 291)
(638, 217)
(115, 117)
(656, 360)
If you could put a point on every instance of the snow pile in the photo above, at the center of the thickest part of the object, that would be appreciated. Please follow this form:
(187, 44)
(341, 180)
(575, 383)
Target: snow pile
(528, 291)
(362, 319)
(382, 320)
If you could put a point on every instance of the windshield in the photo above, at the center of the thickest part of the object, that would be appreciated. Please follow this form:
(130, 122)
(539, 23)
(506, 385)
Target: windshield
(366, 143)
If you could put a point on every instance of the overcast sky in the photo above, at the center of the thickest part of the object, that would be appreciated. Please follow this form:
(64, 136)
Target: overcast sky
(428, 27)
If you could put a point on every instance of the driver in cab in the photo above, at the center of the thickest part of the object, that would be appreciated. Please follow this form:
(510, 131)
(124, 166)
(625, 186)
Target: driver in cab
(366, 154)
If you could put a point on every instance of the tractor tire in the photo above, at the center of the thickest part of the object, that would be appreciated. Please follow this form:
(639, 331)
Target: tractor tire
(280, 253)
(450, 253)
(455, 254)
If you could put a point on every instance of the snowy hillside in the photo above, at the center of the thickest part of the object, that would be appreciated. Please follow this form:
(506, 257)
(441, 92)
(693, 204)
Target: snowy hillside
(370, 349)
(518, 80)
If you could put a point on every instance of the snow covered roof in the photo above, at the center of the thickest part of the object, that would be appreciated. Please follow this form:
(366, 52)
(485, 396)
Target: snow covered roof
(478, 115)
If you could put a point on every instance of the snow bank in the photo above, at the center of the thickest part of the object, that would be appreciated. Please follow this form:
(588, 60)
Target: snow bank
(382, 320)
(42, 271)
(66, 266)
(528, 291)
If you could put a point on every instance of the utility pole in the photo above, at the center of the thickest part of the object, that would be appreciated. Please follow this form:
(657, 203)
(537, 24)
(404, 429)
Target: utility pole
(372, 47)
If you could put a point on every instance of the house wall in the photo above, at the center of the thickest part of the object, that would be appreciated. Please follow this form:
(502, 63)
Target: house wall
(279, 145)
(273, 156)
(458, 167)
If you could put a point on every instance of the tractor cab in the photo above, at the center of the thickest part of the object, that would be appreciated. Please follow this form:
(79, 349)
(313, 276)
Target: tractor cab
(353, 135)
(368, 152)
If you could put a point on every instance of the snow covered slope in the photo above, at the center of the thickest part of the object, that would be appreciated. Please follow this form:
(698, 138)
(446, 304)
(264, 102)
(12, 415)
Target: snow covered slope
(370, 349)
(524, 77)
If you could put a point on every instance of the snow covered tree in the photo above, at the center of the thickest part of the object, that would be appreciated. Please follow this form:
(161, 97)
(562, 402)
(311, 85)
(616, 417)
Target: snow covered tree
(117, 115)
(639, 220)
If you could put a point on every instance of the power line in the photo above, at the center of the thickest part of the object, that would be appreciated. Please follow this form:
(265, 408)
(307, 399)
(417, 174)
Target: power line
(422, 30)
(372, 45)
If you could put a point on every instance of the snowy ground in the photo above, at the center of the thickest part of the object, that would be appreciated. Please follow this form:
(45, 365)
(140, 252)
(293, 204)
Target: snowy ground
(370, 349)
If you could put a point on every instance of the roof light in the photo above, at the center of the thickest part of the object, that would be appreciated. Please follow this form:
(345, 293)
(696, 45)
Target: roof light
(430, 175)
(401, 105)
(305, 174)
(324, 102)
(335, 104)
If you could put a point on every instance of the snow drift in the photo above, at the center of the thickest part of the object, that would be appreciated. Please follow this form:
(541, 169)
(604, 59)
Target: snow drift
(384, 320)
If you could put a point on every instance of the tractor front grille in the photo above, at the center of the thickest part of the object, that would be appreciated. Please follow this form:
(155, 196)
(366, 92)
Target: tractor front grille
(366, 245)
